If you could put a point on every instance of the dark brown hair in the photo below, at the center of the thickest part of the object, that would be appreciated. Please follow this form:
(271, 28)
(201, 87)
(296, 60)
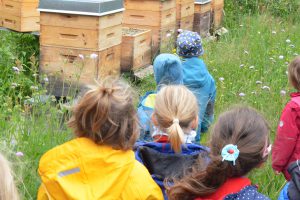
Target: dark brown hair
(241, 126)
(107, 115)
(294, 73)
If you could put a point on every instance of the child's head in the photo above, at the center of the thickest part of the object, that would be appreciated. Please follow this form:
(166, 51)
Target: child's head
(189, 44)
(294, 73)
(167, 70)
(8, 190)
(175, 113)
(240, 126)
(107, 115)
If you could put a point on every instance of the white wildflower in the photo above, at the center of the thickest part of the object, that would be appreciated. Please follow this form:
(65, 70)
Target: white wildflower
(273, 32)
(46, 79)
(258, 82)
(20, 154)
(93, 56)
(81, 56)
(242, 65)
(282, 92)
(292, 46)
(254, 92)
(241, 25)
(288, 41)
(34, 75)
(295, 54)
(251, 67)
(281, 57)
(180, 30)
(221, 79)
(265, 87)
(258, 32)
(242, 94)
(34, 88)
(16, 70)
(168, 35)
(246, 52)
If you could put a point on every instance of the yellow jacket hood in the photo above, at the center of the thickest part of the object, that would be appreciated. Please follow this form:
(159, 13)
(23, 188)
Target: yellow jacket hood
(81, 169)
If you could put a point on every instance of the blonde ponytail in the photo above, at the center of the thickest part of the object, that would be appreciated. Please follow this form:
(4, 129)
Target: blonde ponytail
(175, 109)
(176, 136)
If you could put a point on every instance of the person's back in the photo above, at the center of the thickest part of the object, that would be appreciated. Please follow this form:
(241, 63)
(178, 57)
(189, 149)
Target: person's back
(239, 143)
(171, 153)
(167, 71)
(197, 78)
(99, 163)
(287, 142)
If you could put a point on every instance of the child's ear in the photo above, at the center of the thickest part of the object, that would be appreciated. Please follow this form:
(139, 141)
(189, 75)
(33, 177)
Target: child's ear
(153, 119)
(194, 124)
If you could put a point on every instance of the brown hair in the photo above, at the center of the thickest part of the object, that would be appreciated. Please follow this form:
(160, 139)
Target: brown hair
(107, 115)
(294, 73)
(241, 126)
(175, 109)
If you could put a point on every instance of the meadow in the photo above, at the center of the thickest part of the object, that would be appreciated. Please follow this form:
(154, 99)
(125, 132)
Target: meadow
(249, 65)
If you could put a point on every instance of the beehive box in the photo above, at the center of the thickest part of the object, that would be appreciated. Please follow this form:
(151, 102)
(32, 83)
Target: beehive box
(89, 32)
(202, 17)
(68, 66)
(158, 16)
(80, 41)
(184, 8)
(216, 4)
(136, 48)
(20, 15)
(186, 23)
(162, 38)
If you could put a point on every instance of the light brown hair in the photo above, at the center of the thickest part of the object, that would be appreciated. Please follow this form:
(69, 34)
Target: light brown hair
(294, 73)
(8, 190)
(107, 115)
(241, 126)
(175, 109)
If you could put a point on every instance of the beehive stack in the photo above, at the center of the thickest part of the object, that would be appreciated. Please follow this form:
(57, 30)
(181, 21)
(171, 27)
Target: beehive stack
(77, 49)
(136, 48)
(185, 14)
(217, 8)
(155, 15)
(202, 17)
(19, 15)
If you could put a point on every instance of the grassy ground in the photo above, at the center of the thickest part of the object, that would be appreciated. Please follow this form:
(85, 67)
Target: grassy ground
(251, 59)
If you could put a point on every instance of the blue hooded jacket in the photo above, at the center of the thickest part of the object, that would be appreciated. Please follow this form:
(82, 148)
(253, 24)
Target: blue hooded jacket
(197, 78)
(167, 71)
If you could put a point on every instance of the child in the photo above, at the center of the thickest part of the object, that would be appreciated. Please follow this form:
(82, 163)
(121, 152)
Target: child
(99, 163)
(291, 191)
(8, 190)
(239, 143)
(167, 71)
(175, 116)
(197, 78)
(287, 143)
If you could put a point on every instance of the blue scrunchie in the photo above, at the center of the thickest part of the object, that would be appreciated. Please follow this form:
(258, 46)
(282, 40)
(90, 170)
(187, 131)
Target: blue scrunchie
(230, 153)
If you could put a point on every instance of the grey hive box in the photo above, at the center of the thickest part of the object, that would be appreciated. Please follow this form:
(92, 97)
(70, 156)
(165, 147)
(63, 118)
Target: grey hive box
(82, 7)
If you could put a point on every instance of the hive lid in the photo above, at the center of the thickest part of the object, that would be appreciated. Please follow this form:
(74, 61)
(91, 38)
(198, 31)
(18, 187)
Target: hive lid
(82, 7)
(202, 1)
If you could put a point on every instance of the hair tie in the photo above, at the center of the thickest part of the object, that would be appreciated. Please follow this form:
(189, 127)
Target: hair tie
(175, 121)
(230, 153)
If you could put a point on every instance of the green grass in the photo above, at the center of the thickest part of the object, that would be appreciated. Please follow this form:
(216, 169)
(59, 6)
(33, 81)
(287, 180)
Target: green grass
(250, 43)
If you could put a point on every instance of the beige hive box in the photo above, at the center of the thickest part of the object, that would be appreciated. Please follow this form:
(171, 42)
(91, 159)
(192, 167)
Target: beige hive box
(136, 48)
(217, 9)
(185, 14)
(155, 15)
(20, 15)
(80, 42)
(202, 16)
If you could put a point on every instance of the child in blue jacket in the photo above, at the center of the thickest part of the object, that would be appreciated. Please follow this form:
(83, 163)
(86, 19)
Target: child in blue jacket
(197, 78)
(167, 71)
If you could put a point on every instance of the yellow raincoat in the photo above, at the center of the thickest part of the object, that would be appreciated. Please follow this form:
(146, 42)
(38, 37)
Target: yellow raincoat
(83, 170)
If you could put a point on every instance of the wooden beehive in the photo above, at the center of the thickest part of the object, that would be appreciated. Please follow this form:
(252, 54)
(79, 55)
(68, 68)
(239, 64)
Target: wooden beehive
(158, 16)
(67, 67)
(184, 12)
(20, 15)
(136, 48)
(203, 18)
(162, 38)
(217, 10)
(78, 31)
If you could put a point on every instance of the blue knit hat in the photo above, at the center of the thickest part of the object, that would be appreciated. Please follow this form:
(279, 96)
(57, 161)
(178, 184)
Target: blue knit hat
(189, 44)
(167, 70)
